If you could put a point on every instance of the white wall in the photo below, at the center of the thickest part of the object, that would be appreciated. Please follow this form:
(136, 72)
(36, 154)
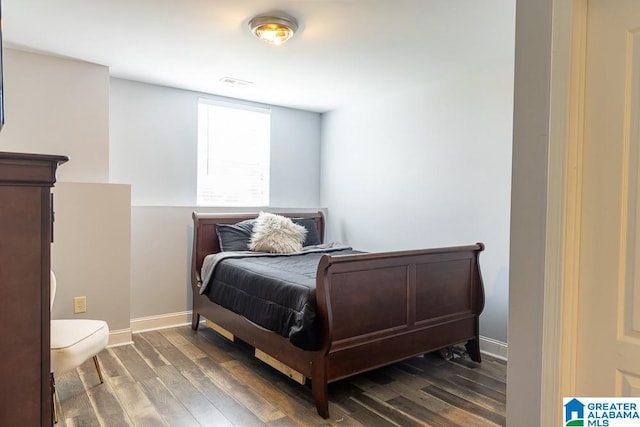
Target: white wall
(532, 149)
(58, 106)
(61, 106)
(153, 147)
(429, 169)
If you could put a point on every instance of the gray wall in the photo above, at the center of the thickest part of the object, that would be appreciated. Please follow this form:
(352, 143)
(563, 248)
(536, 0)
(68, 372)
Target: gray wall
(153, 147)
(91, 253)
(427, 169)
(381, 159)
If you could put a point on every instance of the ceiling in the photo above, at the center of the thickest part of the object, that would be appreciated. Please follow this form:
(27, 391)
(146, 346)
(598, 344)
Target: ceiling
(345, 50)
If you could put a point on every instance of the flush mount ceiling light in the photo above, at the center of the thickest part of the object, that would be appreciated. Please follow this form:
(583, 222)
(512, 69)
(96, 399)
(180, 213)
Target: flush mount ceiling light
(273, 29)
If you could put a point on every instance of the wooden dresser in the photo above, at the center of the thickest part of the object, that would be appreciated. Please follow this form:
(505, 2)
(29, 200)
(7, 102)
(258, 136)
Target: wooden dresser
(26, 231)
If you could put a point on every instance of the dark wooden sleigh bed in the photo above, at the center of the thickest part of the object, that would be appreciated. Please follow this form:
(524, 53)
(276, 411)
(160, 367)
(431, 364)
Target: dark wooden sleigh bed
(373, 309)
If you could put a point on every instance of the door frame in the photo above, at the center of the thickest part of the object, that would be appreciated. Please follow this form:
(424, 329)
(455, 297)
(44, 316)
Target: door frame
(562, 259)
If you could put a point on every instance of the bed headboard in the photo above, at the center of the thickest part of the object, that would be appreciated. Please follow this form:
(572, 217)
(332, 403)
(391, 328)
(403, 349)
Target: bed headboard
(205, 238)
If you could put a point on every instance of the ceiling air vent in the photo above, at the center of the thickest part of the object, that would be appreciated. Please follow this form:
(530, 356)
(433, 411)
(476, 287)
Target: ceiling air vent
(236, 82)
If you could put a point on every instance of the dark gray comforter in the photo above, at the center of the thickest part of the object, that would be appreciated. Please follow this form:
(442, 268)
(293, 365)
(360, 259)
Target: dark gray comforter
(274, 291)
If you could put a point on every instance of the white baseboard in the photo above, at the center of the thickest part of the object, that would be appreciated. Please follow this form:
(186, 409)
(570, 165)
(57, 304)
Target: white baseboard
(163, 321)
(119, 337)
(489, 346)
(495, 348)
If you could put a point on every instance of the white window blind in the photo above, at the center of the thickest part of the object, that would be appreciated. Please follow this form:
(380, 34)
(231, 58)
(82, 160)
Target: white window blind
(233, 154)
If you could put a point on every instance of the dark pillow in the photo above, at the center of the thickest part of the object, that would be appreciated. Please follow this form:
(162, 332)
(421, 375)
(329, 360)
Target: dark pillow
(235, 237)
(313, 237)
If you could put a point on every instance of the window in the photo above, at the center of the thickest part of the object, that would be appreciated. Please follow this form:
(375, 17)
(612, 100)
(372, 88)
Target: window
(233, 154)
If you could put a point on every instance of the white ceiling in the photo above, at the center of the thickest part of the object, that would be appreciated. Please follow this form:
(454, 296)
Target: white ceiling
(345, 50)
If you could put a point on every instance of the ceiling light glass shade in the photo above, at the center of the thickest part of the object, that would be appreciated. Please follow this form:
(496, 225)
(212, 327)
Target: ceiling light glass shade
(272, 29)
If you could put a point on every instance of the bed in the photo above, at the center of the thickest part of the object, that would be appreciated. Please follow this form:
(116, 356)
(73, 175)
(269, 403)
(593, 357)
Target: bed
(371, 309)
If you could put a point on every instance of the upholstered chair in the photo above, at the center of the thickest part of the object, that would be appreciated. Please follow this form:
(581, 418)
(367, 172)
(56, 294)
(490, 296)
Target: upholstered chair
(74, 341)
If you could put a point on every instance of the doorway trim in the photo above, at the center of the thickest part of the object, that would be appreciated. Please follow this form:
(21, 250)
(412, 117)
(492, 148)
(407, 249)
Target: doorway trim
(566, 124)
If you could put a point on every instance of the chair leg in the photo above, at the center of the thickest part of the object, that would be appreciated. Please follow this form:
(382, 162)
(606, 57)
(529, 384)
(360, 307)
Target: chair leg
(95, 361)
(56, 400)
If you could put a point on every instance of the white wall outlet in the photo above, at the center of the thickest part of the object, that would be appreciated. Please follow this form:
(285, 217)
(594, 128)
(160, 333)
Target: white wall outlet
(79, 305)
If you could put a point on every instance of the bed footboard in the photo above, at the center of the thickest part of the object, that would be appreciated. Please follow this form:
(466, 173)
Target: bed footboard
(384, 307)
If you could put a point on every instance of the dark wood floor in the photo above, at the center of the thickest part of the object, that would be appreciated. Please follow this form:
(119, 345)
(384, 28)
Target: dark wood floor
(175, 377)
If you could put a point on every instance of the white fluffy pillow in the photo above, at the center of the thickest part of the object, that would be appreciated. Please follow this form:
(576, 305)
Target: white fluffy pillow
(276, 234)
